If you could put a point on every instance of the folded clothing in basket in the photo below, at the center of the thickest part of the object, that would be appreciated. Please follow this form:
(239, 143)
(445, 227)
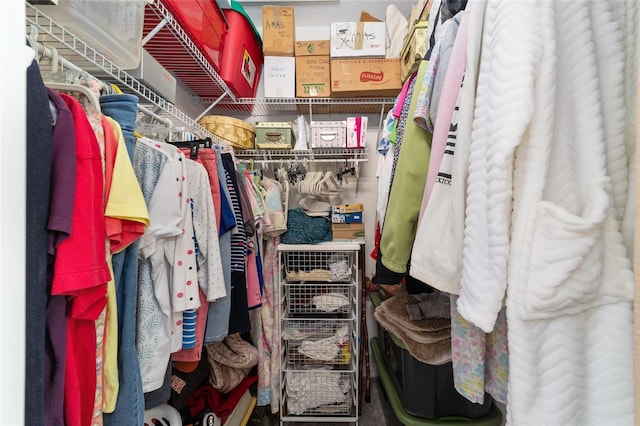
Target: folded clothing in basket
(311, 389)
(313, 275)
(325, 349)
(329, 302)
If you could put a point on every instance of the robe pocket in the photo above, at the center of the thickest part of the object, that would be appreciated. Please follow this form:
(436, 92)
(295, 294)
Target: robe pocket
(566, 260)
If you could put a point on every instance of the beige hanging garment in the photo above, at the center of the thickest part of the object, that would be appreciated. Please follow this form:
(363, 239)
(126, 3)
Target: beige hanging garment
(636, 263)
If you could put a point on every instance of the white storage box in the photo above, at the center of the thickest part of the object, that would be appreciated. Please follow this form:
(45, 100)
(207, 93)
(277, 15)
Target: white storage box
(328, 134)
(112, 27)
(154, 75)
(279, 77)
(353, 39)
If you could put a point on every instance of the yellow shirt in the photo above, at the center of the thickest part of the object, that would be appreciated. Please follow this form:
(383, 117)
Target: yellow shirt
(126, 202)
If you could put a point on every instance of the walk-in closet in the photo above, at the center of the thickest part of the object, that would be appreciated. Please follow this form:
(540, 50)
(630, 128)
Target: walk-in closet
(261, 213)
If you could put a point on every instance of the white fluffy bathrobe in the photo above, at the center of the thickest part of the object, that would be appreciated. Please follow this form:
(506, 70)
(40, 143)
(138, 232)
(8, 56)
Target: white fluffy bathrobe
(547, 189)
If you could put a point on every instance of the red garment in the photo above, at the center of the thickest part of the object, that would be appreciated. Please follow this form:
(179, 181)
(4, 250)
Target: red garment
(376, 243)
(220, 403)
(81, 273)
(207, 157)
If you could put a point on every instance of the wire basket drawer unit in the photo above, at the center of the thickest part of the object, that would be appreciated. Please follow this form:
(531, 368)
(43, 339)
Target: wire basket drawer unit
(329, 343)
(320, 300)
(319, 266)
(319, 392)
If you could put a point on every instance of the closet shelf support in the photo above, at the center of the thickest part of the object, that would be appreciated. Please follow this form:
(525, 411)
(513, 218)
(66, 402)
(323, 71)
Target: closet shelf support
(156, 29)
(210, 107)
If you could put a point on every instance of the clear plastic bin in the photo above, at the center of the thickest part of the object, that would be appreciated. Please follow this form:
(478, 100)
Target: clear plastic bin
(112, 27)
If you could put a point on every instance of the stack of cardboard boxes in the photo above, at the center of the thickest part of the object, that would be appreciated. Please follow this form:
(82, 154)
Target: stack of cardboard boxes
(346, 221)
(278, 36)
(351, 63)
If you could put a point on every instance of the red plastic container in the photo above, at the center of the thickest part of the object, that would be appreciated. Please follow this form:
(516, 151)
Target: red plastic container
(205, 24)
(242, 59)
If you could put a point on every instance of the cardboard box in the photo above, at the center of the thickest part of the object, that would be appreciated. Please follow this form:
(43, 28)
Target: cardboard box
(347, 208)
(274, 135)
(312, 48)
(355, 39)
(365, 77)
(347, 231)
(357, 132)
(414, 49)
(346, 218)
(278, 30)
(279, 77)
(313, 77)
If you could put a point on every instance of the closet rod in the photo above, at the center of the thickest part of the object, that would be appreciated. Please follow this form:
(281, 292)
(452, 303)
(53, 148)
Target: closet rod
(45, 52)
(308, 160)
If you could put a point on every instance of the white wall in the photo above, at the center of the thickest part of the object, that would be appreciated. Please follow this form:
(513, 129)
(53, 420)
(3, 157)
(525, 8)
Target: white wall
(12, 211)
(312, 18)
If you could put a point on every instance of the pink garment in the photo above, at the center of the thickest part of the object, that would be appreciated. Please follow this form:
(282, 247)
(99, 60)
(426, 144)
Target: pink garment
(402, 96)
(254, 298)
(450, 89)
(207, 157)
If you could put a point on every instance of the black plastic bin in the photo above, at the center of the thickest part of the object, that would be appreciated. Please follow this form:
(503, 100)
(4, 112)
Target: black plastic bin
(426, 390)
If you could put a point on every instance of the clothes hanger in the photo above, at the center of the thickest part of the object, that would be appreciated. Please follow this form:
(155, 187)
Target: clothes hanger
(55, 58)
(193, 145)
(76, 88)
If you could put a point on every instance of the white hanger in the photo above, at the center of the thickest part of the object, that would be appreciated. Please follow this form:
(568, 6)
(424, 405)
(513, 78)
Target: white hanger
(76, 88)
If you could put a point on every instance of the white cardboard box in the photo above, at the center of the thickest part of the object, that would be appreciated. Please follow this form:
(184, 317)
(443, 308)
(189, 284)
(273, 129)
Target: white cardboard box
(353, 39)
(279, 77)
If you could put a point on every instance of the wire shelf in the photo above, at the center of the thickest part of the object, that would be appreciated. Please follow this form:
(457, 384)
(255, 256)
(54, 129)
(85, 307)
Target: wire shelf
(319, 392)
(315, 155)
(172, 47)
(318, 299)
(271, 106)
(86, 58)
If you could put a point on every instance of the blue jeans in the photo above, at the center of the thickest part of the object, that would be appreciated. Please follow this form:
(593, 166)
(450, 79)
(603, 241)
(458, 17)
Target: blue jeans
(130, 405)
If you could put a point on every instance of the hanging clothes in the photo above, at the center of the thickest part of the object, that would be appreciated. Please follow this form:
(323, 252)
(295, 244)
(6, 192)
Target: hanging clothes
(547, 165)
(130, 399)
(38, 165)
(405, 198)
(264, 331)
(162, 288)
(81, 271)
(220, 310)
(239, 314)
(60, 221)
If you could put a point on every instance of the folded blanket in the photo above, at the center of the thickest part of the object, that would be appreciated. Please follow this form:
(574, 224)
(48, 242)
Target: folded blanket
(431, 344)
(396, 306)
(230, 361)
